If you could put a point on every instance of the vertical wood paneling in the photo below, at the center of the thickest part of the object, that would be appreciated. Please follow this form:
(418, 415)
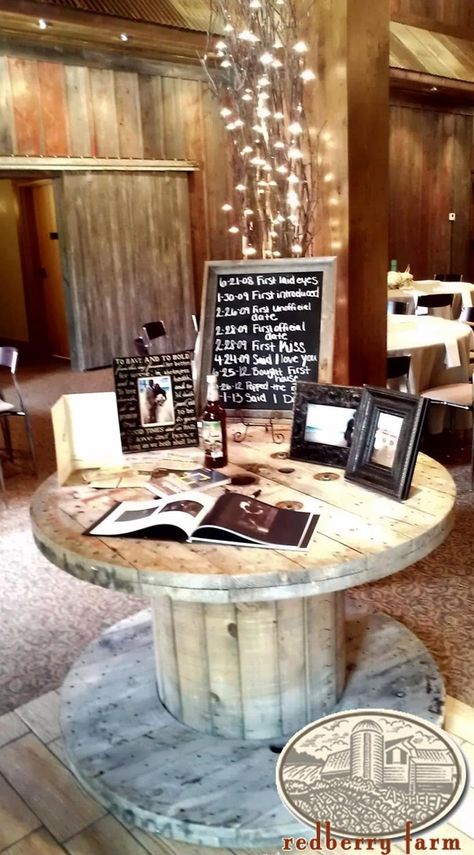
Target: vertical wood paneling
(26, 106)
(128, 114)
(174, 125)
(430, 177)
(192, 92)
(151, 108)
(7, 145)
(259, 674)
(119, 282)
(104, 112)
(78, 110)
(53, 109)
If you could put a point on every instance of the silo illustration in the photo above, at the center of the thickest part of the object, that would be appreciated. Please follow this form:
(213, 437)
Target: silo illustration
(367, 747)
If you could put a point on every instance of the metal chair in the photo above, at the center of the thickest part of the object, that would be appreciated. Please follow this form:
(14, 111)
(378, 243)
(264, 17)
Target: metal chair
(398, 368)
(8, 361)
(448, 277)
(397, 307)
(140, 347)
(467, 317)
(432, 302)
(152, 331)
(458, 396)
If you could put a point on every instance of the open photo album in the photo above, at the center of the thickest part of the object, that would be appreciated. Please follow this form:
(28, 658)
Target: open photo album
(233, 518)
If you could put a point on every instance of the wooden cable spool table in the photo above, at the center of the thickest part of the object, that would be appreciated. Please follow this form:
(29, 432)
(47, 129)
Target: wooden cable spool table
(174, 720)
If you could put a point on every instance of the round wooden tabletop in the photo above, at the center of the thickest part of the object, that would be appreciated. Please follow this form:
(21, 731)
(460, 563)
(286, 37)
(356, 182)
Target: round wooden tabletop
(361, 535)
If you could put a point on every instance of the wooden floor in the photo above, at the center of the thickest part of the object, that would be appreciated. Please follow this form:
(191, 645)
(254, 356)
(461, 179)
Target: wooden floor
(44, 812)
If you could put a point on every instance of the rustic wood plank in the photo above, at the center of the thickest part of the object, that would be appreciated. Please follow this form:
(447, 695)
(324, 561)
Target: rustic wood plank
(104, 112)
(59, 803)
(259, 672)
(190, 642)
(42, 716)
(105, 837)
(11, 727)
(6, 112)
(151, 110)
(79, 110)
(16, 819)
(128, 114)
(459, 719)
(52, 88)
(173, 111)
(38, 843)
(167, 668)
(26, 106)
(224, 670)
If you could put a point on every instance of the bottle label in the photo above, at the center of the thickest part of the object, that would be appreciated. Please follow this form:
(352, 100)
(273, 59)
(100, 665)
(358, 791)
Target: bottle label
(212, 439)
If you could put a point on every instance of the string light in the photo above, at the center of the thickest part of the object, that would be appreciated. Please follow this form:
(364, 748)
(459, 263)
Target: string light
(300, 47)
(260, 83)
(42, 24)
(295, 129)
(123, 36)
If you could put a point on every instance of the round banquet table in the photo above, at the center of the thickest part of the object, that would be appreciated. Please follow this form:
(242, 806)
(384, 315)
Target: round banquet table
(439, 349)
(463, 295)
(173, 718)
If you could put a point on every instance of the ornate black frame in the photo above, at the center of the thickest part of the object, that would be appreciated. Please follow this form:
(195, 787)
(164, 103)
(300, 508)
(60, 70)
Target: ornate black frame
(394, 480)
(347, 397)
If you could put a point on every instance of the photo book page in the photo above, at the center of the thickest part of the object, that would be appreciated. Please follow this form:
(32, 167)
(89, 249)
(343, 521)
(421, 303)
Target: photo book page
(233, 518)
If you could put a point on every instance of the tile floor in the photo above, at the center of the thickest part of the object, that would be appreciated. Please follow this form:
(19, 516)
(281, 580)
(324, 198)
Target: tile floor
(44, 812)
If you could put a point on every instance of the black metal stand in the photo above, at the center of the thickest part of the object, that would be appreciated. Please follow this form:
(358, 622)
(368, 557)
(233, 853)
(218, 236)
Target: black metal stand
(269, 425)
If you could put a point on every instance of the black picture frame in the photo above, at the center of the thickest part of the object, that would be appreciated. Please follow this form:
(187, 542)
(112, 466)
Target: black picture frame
(394, 475)
(322, 396)
(143, 385)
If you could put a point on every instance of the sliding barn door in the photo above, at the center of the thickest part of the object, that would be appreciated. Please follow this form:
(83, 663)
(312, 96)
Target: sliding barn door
(127, 260)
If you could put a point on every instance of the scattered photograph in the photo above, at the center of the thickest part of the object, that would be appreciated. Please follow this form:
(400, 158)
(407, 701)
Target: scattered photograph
(329, 425)
(386, 439)
(250, 517)
(186, 506)
(156, 402)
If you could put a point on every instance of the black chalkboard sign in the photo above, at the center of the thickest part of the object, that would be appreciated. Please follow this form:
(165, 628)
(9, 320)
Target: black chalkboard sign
(155, 401)
(266, 324)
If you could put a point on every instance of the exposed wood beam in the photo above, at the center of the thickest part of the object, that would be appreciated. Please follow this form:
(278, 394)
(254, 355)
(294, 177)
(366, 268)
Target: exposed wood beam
(72, 28)
(19, 163)
(419, 82)
(434, 26)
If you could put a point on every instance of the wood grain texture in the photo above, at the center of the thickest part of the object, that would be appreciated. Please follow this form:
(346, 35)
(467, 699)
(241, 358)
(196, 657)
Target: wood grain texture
(52, 94)
(78, 111)
(38, 843)
(128, 114)
(113, 293)
(7, 145)
(26, 106)
(459, 14)
(16, 819)
(356, 527)
(104, 113)
(430, 177)
(58, 803)
(347, 109)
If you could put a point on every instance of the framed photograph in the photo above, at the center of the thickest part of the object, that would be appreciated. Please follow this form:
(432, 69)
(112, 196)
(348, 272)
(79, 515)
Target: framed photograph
(385, 442)
(155, 401)
(264, 325)
(323, 423)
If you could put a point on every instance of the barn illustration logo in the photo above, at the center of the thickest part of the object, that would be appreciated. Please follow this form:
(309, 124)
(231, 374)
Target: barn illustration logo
(371, 773)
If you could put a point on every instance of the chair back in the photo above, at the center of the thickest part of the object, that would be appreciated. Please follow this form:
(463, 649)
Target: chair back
(397, 307)
(397, 366)
(8, 358)
(448, 277)
(467, 315)
(141, 348)
(428, 304)
(152, 330)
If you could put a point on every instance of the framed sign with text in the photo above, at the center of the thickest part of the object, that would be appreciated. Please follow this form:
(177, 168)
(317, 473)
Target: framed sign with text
(265, 325)
(155, 401)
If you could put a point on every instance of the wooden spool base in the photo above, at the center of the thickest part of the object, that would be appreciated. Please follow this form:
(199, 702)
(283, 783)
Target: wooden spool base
(153, 771)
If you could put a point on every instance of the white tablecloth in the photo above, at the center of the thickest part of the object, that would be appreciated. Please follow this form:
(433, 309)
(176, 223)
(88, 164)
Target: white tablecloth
(439, 352)
(463, 295)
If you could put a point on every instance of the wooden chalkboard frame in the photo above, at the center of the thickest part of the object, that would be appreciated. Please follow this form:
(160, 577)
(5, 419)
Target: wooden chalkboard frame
(205, 342)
